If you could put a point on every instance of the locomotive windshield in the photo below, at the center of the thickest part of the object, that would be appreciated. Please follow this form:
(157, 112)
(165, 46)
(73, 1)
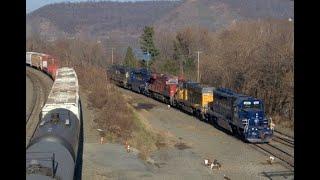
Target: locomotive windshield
(252, 104)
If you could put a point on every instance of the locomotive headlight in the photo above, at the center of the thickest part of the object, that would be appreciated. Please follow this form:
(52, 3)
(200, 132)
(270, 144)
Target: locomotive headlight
(244, 120)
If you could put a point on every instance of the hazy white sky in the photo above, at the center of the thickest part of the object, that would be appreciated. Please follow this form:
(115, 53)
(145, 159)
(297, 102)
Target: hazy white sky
(35, 4)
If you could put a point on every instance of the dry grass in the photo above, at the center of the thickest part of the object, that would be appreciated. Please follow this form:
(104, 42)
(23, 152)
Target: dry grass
(283, 122)
(110, 106)
(114, 114)
(144, 139)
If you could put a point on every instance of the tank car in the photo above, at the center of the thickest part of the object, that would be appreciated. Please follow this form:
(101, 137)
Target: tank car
(240, 114)
(52, 151)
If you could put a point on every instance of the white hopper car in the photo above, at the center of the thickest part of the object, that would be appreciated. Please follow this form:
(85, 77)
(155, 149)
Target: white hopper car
(64, 92)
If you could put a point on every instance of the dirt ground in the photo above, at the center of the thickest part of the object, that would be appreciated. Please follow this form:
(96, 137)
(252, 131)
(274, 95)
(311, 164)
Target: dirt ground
(38, 86)
(188, 142)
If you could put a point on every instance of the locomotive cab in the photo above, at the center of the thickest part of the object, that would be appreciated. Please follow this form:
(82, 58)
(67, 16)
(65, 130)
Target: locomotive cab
(253, 119)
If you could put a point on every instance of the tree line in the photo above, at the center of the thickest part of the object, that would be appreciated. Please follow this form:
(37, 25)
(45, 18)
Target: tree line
(254, 57)
(251, 57)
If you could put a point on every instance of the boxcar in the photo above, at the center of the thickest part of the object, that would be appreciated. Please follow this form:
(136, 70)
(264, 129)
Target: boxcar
(36, 60)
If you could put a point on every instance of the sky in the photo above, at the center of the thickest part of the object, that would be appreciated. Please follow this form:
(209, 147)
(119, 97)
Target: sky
(32, 5)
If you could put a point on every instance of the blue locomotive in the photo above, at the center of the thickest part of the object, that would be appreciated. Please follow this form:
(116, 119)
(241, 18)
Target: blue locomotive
(240, 114)
(138, 80)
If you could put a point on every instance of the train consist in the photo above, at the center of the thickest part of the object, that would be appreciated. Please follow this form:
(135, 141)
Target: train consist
(43, 62)
(240, 114)
(53, 149)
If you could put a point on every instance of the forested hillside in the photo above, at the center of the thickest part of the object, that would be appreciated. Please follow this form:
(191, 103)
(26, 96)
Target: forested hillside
(115, 20)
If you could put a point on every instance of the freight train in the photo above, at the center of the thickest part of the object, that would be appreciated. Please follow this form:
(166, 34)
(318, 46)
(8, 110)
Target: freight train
(240, 114)
(52, 151)
(43, 62)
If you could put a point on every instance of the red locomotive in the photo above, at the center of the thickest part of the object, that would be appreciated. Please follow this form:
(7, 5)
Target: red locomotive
(163, 87)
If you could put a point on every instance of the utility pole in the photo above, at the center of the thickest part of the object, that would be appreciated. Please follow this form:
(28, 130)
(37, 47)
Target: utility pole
(112, 55)
(198, 77)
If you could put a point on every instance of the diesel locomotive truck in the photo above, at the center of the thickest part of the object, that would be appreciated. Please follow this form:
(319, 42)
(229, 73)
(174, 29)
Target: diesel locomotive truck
(240, 114)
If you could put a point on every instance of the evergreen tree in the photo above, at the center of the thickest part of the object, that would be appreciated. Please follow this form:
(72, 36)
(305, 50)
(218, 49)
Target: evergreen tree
(146, 42)
(130, 60)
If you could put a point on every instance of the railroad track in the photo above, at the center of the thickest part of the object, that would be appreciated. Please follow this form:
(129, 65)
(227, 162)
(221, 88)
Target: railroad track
(284, 137)
(39, 97)
(281, 147)
(283, 156)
